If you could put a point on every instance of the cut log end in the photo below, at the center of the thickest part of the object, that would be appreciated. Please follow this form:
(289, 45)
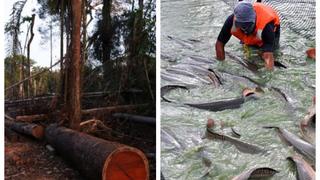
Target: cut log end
(126, 163)
(38, 132)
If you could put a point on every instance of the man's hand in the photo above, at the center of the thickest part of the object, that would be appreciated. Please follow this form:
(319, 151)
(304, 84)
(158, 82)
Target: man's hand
(268, 59)
(220, 51)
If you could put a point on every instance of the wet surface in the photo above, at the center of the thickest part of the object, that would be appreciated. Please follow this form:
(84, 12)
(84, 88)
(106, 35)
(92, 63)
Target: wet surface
(189, 29)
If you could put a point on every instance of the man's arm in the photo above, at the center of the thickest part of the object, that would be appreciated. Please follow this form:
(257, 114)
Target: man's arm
(268, 37)
(223, 38)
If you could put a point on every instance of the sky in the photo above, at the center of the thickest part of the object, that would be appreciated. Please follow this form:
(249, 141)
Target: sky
(40, 49)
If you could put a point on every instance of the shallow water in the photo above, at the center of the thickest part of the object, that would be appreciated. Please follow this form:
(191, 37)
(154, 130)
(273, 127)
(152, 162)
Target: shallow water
(192, 27)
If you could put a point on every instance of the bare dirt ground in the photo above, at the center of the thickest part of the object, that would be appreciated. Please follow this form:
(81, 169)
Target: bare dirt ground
(28, 159)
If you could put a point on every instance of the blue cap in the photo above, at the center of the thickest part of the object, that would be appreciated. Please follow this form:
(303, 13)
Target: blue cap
(244, 12)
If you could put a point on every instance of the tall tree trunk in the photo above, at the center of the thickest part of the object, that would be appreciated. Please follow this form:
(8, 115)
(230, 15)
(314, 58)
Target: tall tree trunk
(68, 53)
(21, 77)
(135, 57)
(29, 89)
(74, 83)
(61, 49)
(107, 39)
(84, 32)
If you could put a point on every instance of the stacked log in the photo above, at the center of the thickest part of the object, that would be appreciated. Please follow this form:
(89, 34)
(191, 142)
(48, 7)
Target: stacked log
(32, 118)
(97, 158)
(135, 118)
(34, 130)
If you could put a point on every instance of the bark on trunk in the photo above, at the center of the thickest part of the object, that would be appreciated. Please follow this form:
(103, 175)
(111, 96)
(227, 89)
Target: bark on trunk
(33, 130)
(135, 118)
(96, 158)
(74, 83)
(61, 48)
(21, 77)
(28, 56)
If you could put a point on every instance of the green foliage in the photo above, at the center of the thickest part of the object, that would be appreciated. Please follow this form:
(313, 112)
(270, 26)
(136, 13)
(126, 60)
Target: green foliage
(47, 82)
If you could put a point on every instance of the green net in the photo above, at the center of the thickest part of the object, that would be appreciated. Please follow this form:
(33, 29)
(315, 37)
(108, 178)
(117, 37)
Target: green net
(297, 15)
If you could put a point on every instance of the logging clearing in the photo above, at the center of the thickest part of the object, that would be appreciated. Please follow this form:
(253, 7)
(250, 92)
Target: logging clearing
(90, 114)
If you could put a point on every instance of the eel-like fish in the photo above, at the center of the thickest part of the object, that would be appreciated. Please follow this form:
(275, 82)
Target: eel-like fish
(302, 146)
(277, 90)
(254, 173)
(308, 126)
(188, 74)
(219, 105)
(183, 43)
(170, 138)
(165, 89)
(305, 171)
(250, 66)
(241, 146)
(222, 104)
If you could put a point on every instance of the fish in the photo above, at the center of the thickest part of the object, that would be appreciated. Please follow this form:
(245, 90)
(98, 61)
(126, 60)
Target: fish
(174, 79)
(255, 173)
(278, 91)
(169, 137)
(235, 133)
(188, 74)
(300, 145)
(308, 126)
(249, 82)
(202, 59)
(215, 77)
(250, 66)
(279, 64)
(241, 146)
(181, 42)
(304, 170)
(166, 89)
(221, 105)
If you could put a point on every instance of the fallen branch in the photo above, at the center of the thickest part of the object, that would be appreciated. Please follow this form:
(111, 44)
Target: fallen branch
(112, 108)
(135, 118)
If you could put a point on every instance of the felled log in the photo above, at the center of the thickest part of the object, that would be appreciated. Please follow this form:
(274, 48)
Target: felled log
(96, 158)
(34, 130)
(32, 118)
(135, 118)
(10, 135)
(111, 108)
(9, 117)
